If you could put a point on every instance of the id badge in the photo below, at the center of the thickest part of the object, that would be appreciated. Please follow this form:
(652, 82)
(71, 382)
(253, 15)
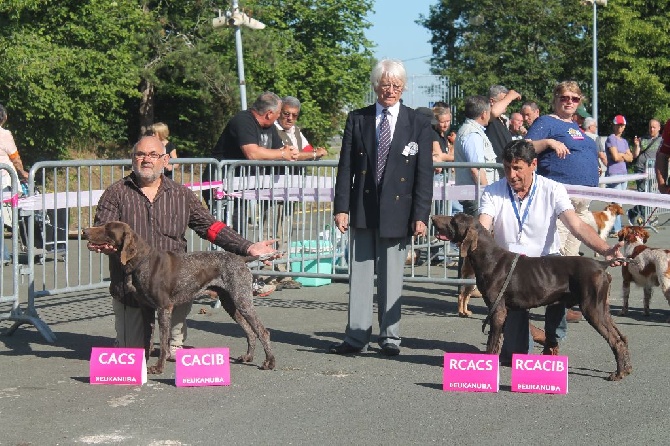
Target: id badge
(529, 251)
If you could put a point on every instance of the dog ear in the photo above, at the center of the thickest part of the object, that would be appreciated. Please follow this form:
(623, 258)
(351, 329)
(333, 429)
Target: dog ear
(622, 233)
(469, 243)
(129, 249)
(645, 235)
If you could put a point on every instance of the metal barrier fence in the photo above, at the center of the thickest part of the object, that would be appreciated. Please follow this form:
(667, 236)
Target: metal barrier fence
(9, 269)
(289, 202)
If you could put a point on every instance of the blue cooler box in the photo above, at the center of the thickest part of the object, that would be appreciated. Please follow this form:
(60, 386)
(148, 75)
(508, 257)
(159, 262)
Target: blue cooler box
(323, 265)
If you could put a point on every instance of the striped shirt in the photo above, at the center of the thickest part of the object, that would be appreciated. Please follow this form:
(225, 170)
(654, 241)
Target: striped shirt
(162, 223)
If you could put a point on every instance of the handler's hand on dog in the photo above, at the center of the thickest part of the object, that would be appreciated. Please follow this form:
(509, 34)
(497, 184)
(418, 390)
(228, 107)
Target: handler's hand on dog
(419, 228)
(104, 248)
(342, 221)
(614, 252)
(266, 250)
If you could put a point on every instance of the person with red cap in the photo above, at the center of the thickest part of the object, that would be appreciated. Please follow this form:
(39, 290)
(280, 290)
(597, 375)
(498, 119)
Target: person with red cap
(618, 154)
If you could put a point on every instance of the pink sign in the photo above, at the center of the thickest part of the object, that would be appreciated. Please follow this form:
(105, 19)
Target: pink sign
(118, 366)
(470, 372)
(539, 374)
(197, 367)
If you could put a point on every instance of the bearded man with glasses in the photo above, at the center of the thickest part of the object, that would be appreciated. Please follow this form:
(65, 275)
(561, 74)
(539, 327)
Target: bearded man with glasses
(159, 210)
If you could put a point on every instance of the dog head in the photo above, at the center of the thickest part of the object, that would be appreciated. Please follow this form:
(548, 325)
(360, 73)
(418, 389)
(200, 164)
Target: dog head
(461, 228)
(614, 208)
(633, 235)
(115, 234)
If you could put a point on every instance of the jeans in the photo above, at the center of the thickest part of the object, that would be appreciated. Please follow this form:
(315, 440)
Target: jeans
(617, 220)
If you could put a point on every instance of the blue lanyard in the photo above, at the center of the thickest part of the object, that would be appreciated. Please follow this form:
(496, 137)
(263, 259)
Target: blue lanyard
(516, 210)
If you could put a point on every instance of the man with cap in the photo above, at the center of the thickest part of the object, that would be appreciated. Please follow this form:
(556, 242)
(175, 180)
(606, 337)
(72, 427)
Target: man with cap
(580, 115)
(618, 154)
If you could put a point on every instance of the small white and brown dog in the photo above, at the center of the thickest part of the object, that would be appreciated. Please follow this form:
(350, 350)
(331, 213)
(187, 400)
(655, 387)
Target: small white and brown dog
(649, 268)
(603, 221)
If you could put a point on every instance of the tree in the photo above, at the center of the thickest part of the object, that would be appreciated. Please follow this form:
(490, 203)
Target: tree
(94, 72)
(531, 48)
(67, 70)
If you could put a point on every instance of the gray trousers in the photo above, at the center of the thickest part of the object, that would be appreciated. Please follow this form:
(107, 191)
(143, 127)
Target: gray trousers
(388, 254)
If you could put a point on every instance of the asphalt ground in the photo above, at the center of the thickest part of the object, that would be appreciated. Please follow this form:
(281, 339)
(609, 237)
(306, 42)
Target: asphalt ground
(317, 398)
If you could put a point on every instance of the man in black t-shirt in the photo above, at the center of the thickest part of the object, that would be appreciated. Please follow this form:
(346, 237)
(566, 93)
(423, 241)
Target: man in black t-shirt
(498, 130)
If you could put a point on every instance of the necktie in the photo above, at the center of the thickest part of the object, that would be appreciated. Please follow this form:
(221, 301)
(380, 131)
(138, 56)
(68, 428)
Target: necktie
(384, 145)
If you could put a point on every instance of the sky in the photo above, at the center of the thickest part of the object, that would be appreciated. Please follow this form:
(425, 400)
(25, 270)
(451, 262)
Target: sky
(397, 36)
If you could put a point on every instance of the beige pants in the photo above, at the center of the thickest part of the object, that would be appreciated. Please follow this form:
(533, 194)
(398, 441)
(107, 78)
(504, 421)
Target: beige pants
(569, 243)
(130, 328)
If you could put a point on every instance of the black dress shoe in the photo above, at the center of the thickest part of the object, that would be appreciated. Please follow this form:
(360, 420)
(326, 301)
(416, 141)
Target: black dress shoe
(390, 350)
(344, 349)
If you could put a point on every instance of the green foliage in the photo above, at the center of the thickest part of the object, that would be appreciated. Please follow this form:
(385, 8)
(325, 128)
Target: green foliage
(74, 71)
(478, 43)
(67, 70)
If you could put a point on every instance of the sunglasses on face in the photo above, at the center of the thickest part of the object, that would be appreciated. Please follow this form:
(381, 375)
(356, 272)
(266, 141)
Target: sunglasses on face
(290, 115)
(573, 99)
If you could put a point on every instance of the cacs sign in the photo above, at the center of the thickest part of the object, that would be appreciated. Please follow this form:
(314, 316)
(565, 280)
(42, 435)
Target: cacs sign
(119, 366)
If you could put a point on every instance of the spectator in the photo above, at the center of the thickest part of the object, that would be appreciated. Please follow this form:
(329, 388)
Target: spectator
(383, 191)
(497, 129)
(291, 134)
(160, 211)
(644, 150)
(580, 115)
(9, 155)
(473, 146)
(530, 112)
(441, 121)
(618, 154)
(516, 127)
(591, 130)
(662, 157)
(522, 211)
(252, 135)
(566, 155)
(161, 130)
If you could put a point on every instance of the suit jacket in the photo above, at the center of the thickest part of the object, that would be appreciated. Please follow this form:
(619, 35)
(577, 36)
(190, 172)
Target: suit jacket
(406, 192)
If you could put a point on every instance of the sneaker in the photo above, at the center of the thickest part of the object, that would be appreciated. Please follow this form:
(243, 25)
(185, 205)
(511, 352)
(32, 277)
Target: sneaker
(262, 289)
(172, 356)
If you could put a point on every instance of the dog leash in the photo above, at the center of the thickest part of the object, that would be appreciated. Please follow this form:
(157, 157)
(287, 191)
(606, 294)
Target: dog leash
(502, 291)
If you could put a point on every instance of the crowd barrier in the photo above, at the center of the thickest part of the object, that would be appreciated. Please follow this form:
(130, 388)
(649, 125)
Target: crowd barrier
(9, 270)
(287, 202)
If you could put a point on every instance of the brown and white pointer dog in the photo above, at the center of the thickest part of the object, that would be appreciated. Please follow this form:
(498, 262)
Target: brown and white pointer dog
(164, 279)
(535, 282)
(649, 268)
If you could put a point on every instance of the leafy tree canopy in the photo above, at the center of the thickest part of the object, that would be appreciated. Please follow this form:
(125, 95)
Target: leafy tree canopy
(533, 46)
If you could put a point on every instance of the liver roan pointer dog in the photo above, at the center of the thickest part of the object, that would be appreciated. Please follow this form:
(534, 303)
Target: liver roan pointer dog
(535, 282)
(164, 279)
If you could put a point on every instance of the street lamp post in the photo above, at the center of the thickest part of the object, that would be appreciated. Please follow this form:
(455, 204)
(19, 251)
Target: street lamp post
(595, 3)
(235, 17)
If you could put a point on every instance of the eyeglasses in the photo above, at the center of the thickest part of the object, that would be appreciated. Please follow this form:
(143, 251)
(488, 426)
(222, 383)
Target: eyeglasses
(153, 156)
(389, 87)
(573, 99)
(289, 115)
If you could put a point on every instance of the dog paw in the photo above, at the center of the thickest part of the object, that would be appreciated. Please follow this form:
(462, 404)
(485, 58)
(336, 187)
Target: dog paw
(466, 313)
(623, 312)
(245, 358)
(154, 370)
(268, 364)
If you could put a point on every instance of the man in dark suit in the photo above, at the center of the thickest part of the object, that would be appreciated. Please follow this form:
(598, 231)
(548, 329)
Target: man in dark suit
(383, 191)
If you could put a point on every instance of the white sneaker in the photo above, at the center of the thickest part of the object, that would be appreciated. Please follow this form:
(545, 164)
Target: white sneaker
(262, 289)
(172, 355)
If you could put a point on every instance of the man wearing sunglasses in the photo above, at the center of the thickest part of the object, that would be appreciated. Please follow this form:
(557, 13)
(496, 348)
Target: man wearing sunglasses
(292, 135)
